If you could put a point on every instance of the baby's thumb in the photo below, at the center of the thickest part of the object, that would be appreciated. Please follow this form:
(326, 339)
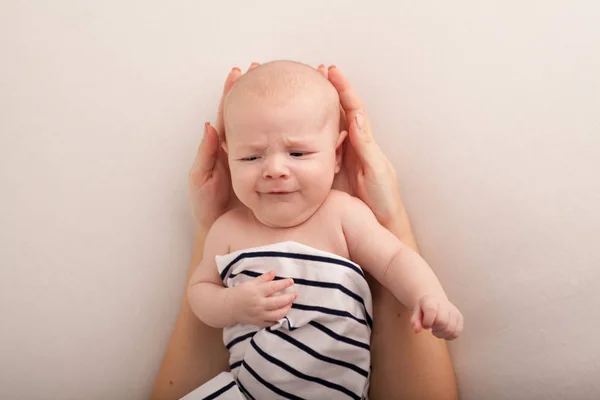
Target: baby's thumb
(415, 320)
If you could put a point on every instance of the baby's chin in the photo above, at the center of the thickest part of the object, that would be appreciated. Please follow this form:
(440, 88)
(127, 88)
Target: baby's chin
(282, 219)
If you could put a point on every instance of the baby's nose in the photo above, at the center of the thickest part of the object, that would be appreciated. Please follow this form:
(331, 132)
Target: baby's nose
(275, 168)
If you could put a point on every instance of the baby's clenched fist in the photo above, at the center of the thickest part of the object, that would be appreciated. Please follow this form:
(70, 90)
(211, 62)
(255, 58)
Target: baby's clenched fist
(439, 315)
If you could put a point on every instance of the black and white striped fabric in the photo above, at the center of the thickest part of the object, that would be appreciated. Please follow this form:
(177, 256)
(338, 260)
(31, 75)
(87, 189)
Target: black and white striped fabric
(320, 350)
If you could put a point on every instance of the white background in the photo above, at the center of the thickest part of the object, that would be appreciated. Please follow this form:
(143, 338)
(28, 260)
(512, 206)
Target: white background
(489, 110)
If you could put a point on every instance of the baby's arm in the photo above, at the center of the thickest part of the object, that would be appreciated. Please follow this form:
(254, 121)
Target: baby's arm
(400, 269)
(206, 294)
(253, 302)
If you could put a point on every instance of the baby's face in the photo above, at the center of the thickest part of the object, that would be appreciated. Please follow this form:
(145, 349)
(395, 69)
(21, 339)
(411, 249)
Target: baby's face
(282, 158)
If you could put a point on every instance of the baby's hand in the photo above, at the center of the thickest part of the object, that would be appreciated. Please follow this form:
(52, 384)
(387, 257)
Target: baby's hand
(439, 315)
(255, 302)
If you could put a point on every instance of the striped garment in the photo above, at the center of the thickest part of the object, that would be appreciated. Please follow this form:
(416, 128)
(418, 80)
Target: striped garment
(320, 350)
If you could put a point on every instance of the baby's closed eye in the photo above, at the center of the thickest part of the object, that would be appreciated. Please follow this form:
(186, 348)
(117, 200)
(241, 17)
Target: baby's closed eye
(294, 154)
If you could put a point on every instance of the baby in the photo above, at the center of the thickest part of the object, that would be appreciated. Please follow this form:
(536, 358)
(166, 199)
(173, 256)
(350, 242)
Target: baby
(283, 274)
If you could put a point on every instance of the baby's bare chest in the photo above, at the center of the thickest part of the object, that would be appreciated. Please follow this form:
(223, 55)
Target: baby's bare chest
(322, 231)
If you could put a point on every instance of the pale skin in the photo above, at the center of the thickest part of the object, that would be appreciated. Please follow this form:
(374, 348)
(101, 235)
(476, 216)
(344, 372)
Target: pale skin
(352, 232)
(283, 159)
(405, 365)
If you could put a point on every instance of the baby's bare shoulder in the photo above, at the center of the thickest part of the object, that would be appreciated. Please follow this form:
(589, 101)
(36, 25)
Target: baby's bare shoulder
(345, 208)
(337, 198)
(334, 202)
(229, 222)
(344, 202)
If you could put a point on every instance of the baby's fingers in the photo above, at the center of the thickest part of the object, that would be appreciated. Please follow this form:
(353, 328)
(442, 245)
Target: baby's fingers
(430, 313)
(457, 328)
(277, 302)
(451, 332)
(446, 331)
(442, 321)
(274, 286)
(266, 277)
(415, 320)
(272, 316)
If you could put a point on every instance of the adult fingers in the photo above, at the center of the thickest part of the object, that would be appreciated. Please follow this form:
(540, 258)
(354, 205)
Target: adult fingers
(206, 157)
(343, 120)
(341, 84)
(233, 76)
(364, 144)
(359, 130)
(343, 117)
(349, 99)
(322, 70)
(277, 302)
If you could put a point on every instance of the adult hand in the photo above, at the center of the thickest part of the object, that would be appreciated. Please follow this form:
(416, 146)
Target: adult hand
(366, 172)
(209, 183)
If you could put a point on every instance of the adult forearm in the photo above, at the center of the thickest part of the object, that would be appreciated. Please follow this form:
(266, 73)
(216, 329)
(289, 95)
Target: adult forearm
(195, 352)
(406, 365)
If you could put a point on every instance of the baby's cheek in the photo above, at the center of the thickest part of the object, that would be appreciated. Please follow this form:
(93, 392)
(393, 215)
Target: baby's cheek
(244, 182)
(239, 174)
(237, 180)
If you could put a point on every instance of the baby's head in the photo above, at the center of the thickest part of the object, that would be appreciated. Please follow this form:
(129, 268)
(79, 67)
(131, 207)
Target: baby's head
(283, 135)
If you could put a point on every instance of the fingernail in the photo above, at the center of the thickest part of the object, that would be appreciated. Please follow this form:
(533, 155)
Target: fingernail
(331, 67)
(321, 66)
(360, 121)
(236, 69)
(206, 124)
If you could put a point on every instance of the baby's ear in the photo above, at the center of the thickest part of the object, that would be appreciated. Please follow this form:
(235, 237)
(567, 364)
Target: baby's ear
(339, 150)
